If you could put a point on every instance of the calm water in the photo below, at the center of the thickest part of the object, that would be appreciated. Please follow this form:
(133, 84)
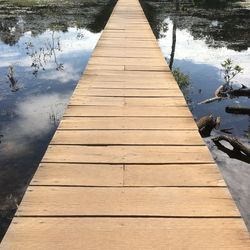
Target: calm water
(48, 48)
(205, 37)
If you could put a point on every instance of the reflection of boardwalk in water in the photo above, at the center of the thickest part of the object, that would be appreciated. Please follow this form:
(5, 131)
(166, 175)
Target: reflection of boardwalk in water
(127, 168)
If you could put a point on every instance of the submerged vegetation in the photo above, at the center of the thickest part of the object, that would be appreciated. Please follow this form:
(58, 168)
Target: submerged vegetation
(182, 79)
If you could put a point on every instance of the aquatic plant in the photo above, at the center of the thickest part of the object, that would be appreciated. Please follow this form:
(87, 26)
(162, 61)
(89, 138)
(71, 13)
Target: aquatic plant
(230, 71)
(182, 79)
(45, 54)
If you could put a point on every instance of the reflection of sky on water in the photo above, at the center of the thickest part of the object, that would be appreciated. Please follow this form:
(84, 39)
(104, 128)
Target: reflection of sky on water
(198, 52)
(72, 52)
(29, 117)
(203, 64)
(35, 116)
(36, 96)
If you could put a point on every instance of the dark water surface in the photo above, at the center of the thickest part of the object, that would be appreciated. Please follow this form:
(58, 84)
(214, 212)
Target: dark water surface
(206, 35)
(47, 44)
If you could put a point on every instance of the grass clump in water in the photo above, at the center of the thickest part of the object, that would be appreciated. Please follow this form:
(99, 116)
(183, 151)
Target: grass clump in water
(182, 79)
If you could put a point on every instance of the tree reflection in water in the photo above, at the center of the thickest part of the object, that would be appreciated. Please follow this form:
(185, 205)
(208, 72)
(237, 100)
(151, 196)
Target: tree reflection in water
(46, 53)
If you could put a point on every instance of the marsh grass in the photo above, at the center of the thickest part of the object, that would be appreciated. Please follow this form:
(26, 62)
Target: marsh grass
(182, 79)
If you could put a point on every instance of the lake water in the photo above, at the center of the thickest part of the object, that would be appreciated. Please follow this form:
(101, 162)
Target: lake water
(44, 48)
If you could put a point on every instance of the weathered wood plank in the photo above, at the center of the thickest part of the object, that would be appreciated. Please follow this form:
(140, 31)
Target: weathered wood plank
(127, 61)
(128, 154)
(129, 175)
(128, 123)
(133, 201)
(78, 174)
(126, 234)
(81, 92)
(131, 74)
(173, 175)
(116, 43)
(127, 137)
(127, 52)
(123, 101)
(83, 111)
(148, 84)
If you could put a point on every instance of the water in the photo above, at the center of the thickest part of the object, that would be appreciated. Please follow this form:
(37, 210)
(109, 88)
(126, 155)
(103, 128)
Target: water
(205, 37)
(46, 47)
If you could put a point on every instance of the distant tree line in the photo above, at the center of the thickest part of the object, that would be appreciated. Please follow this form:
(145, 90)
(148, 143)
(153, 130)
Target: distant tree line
(213, 3)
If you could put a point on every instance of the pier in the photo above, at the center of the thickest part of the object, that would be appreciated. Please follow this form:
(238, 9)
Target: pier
(127, 168)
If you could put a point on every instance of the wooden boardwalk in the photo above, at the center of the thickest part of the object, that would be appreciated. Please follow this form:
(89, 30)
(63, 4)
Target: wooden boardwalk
(127, 168)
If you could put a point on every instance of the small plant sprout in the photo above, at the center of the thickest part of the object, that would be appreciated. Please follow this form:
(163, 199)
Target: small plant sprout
(230, 71)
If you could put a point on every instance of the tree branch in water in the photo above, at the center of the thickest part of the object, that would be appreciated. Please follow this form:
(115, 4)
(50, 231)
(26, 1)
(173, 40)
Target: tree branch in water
(238, 110)
(238, 147)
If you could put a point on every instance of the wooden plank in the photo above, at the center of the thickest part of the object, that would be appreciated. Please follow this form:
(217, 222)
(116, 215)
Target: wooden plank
(120, 34)
(156, 102)
(127, 92)
(105, 67)
(127, 137)
(97, 69)
(116, 43)
(130, 80)
(126, 61)
(127, 52)
(146, 68)
(128, 123)
(83, 111)
(97, 101)
(133, 75)
(173, 175)
(128, 154)
(134, 175)
(148, 84)
(78, 174)
(81, 92)
(119, 201)
(132, 101)
(126, 234)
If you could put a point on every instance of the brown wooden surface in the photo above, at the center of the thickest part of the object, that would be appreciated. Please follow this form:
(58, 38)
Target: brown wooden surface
(126, 234)
(128, 175)
(128, 201)
(127, 168)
